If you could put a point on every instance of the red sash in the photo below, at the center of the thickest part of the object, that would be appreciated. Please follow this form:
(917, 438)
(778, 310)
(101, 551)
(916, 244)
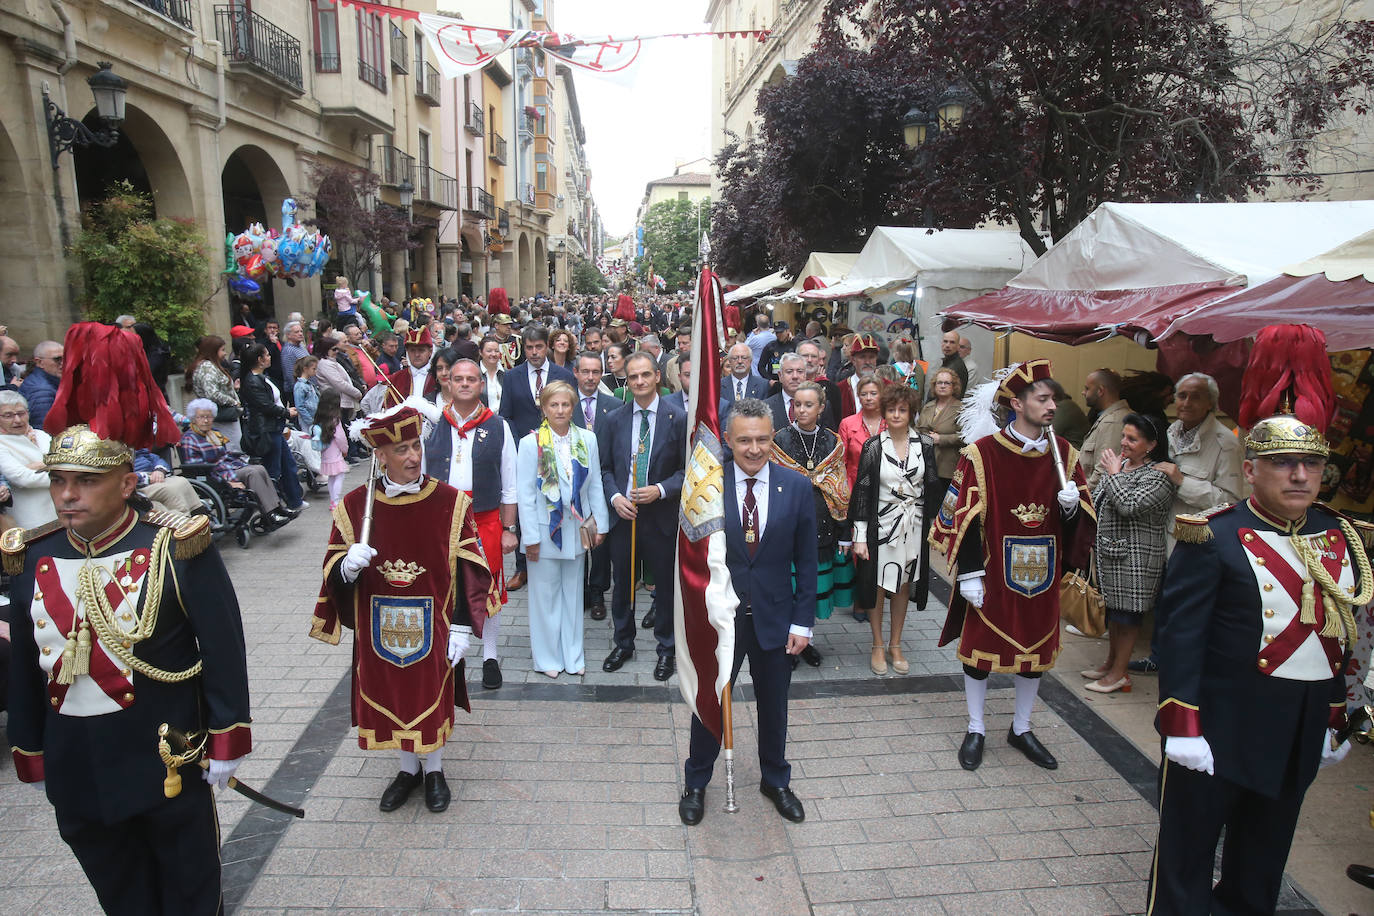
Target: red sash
(489, 530)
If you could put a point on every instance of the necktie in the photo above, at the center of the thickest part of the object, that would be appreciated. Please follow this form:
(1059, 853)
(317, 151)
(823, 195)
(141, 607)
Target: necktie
(751, 517)
(589, 410)
(739, 389)
(538, 381)
(791, 414)
(642, 453)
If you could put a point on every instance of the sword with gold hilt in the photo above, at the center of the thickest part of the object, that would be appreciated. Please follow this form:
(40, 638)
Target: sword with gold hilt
(178, 749)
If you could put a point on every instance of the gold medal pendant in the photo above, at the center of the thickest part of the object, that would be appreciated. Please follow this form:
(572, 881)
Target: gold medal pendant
(811, 465)
(749, 537)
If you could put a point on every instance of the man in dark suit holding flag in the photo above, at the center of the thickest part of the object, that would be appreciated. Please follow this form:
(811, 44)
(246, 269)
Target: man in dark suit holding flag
(770, 530)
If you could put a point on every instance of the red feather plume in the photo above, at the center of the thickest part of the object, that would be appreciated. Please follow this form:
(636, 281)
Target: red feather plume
(106, 384)
(625, 307)
(498, 303)
(1288, 365)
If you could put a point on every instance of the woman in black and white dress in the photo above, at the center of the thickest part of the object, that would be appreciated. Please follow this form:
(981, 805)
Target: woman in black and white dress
(895, 496)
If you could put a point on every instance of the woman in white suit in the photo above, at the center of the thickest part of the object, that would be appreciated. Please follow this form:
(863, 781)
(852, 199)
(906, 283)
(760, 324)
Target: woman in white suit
(559, 474)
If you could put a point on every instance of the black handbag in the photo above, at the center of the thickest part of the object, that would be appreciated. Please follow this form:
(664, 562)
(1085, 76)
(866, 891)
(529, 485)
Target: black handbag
(228, 413)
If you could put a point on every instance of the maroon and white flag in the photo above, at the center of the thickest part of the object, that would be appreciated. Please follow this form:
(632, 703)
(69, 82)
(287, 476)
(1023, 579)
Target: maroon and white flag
(705, 602)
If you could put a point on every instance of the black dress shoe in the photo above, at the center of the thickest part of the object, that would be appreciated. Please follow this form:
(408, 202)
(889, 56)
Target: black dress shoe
(1035, 752)
(692, 807)
(436, 792)
(617, 658)
(971, 751)
(788, 805)
(396, 794)
(1360, 874)
(664, 667)
(599, 610)
(491, 674)
(811, 656)
(650, 619)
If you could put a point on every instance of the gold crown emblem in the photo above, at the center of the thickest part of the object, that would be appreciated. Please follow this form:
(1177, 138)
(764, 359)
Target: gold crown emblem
(400, 573)
(78, 448)
(1286, 434)
(1031, 516)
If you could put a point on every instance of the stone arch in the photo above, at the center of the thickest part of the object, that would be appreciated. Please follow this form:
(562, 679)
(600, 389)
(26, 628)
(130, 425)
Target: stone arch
(524, 265)
(144, 156)
(472, 251)
(27, 239)
(252, 189)
(543, 269)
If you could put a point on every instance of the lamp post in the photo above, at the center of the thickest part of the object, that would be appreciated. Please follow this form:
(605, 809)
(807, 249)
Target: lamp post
(918, 126)
(64, 133)
(406, 190)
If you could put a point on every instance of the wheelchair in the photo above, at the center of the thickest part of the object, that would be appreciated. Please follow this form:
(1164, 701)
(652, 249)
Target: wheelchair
(233, 512)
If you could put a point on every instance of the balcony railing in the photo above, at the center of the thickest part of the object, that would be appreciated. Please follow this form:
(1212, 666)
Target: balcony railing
(399, 58)
(503, 220)
(371, 75)
(437, 189)
(396, 167)
(498, 148)
(476, 121)
(527, 193)
(480, 203)
(178, 11)
(427, 83)
(253, 40)
(327, 63)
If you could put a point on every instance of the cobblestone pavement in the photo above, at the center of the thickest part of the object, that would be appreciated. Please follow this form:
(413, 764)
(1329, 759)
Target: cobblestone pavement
(565, 791)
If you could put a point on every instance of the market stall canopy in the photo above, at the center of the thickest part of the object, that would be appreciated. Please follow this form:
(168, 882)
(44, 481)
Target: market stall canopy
(894, 256)
(776, 280)
(822, 268)
(1133, 268)
(1333, 291)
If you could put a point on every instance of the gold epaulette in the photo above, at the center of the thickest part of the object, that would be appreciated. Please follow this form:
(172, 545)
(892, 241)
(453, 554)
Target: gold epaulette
(16, 540)
(1363, 528)
(190, 532)
(1195, 528)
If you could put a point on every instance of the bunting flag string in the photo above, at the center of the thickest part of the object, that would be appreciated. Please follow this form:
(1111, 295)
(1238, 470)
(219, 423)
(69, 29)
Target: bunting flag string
(462, 47)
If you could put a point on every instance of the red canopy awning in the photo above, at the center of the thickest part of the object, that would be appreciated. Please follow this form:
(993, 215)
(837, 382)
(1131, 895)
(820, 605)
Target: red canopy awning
(1343, 310)
(1083, 316)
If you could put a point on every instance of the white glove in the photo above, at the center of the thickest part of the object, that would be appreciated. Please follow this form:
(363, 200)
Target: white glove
(1328, 755)
(428, 409)
(459, 638)
(1068, 497)
(219, 772)
(972, 590)
(1193, 753)
(357, 559)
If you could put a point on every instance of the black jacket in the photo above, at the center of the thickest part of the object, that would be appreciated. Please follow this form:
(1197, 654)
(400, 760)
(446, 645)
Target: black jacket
(864, 503)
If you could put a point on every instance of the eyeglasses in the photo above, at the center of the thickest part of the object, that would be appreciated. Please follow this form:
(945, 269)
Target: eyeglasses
(13, 414)
(52, 359)
(1311, 463)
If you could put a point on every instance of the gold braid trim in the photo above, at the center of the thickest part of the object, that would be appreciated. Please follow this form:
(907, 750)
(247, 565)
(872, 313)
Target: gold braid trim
(1338, 603)
(1192, 529)
(15, 542)
(101, 615)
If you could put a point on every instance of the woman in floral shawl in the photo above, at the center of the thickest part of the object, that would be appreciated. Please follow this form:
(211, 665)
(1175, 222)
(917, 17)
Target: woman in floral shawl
(559, 474)
(818, 455)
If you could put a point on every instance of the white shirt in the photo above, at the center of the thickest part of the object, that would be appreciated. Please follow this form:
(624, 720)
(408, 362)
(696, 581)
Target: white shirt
(587, 404)
(493, 388)
(460, 464)
(761, 521)
(417, 379)
(741, 386)
(636, 419)
(543, 368)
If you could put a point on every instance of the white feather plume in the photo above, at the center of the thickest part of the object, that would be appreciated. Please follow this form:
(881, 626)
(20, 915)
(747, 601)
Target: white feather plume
(979, 416)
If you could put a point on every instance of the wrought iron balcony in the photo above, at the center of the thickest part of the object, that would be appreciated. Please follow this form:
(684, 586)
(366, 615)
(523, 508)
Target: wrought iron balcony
(371, 75)
(427, 83)
(437, 189)
(480, 203)
(399, 58)
(179, 11)
(396, 167)
(498, 148)
(327, 63)
(476, 120)
(257, 46)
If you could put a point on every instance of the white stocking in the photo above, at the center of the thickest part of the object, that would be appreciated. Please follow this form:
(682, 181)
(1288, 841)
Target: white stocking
(1026, 689)
(976, 694)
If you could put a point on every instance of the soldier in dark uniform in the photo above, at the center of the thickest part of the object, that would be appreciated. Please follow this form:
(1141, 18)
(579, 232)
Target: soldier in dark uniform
(121, 622)
(1258, 599)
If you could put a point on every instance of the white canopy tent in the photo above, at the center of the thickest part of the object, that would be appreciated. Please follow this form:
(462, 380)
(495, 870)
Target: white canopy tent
(821, 268)
(763, 285)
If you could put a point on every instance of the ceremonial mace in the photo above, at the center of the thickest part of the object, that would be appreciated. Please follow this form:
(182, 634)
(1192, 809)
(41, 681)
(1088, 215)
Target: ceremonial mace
(189, 752)
(728, 745)
(365, 535)
(1058, 459)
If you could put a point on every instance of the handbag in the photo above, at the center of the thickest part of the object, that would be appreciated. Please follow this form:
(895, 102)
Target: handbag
(1080, 603)
(228, 413)
(587, 531)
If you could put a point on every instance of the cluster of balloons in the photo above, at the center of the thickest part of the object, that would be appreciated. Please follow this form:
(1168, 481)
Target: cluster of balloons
(258, 254)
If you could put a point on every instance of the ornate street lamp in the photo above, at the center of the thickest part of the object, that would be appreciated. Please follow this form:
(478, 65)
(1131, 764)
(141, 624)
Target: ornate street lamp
(916, 127)
(64, 133)
(407, 192)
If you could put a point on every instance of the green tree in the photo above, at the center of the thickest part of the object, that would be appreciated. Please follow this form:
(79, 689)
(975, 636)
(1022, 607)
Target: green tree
(154, 269)
(586, 279)
(671, 239)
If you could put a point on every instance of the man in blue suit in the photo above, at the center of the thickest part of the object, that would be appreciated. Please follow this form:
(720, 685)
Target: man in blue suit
(590, 412)
(740, 381)
(770, 530)
(642, 451)
(520, 389)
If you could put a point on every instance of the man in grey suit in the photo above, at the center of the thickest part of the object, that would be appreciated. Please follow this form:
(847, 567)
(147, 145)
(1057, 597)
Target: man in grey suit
(590, 412)
(741, 382)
